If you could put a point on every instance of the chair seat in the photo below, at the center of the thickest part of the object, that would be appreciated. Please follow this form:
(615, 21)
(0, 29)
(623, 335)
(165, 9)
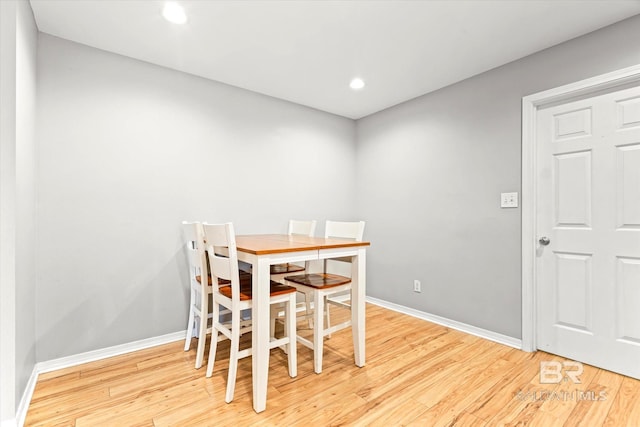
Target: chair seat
(244, 279)
(319, 280)
(199, 279)
(286, 268)
(246, 291)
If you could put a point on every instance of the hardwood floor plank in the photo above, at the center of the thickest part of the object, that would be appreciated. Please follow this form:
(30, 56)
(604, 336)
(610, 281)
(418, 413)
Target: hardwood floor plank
(464, 419)
(447, 409)
(625, 407)
(46, 388)
(545, 419)
(46, 411)
(399, 414)
(526, 367)
(478, 359)
(45, 376)
(568, 393)
(166, 377)
(145, 405)
(604, 384)
(384, 411)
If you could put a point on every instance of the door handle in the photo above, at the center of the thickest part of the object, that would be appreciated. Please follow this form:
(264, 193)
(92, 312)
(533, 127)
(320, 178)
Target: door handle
(544, 241)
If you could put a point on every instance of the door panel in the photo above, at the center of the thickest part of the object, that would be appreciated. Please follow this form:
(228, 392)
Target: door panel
(572, 189)
(628, 186)
(628, 113)
(573, 287)
(572, 124)
(588, 198)
(628, 292)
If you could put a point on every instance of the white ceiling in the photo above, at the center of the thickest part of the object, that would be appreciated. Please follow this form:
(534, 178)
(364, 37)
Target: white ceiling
(308, 51)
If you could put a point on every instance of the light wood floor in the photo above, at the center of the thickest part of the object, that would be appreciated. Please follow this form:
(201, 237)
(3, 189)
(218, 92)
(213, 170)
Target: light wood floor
(417, 373)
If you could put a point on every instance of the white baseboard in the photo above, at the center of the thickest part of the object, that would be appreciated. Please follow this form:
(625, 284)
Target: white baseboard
(463, 327)
(23, 405)
(78, 359)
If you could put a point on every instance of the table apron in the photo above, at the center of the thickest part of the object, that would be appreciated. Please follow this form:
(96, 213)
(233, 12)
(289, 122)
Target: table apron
(338, 252)
(278, 258)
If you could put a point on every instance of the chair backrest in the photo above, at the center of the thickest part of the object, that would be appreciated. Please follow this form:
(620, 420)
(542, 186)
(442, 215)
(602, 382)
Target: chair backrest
(194, 241)
(344, 230)
(304, 228)
(220, 242)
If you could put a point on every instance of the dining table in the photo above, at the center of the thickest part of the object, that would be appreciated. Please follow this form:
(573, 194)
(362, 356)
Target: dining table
(263, 250)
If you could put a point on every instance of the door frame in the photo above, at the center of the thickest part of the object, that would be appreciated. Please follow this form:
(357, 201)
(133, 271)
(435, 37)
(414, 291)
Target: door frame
(530, 106)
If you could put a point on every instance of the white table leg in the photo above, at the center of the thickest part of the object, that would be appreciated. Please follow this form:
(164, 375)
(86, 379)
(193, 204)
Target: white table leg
(358, 287)
(260, 335)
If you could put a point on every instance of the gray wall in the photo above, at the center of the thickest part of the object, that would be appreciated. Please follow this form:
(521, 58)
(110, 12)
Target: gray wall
(17, 201)
(7, 209)
(26, 173)
(128, 150)
(436, 166)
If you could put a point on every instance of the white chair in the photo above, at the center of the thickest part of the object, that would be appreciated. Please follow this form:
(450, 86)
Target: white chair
(296, 228)
(236, 296)
(199, 301)
(280, 271)
(199, 313)
(324, 285)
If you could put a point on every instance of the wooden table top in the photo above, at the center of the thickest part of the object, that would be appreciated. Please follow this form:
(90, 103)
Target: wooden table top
(262, 244)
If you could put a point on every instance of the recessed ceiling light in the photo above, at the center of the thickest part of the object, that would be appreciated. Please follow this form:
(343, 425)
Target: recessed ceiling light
(356, 84)
(173, 12)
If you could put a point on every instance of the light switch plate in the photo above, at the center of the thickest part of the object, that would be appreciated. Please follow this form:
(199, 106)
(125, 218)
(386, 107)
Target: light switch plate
(508, 200)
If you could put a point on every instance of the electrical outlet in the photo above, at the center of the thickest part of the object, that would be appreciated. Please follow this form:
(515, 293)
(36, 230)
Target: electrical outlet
(417, 286)
(508, 200)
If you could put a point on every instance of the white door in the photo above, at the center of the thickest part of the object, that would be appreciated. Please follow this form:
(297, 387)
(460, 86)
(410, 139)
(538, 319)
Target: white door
(588, 198)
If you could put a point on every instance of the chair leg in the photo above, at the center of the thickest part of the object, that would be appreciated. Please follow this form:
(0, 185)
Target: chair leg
(318, 331)
(197, 313)
(233, 358)
(290, 331)
(214, 338)
(202, 339)
(190, 322)
(307, 303)
(326, 309)
(212, 351)
(275, 309)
